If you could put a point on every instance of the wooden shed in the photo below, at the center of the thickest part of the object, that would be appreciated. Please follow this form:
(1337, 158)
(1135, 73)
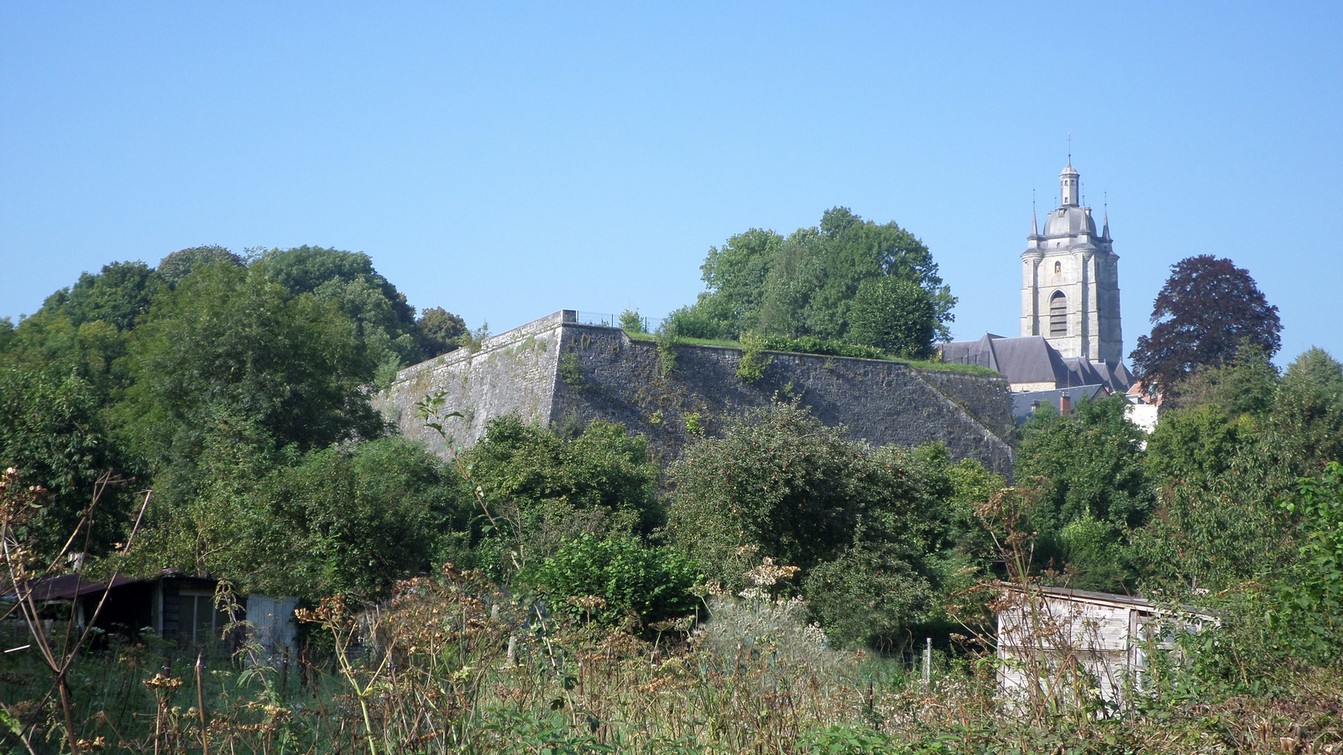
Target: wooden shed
(177, 607)
(1060, 644)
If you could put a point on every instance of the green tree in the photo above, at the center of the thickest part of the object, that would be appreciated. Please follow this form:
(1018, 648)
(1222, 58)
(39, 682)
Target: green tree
(439, 331)
(1306, 420)
(229, 347)
(303, 269)
(1090, 466)
(734, 278)
(797, 274)
(350, 519)
(200, 519)
(1216, 524)
(808, 284)
(1312, 597)
(894, 315)
(120, 294)
(50, 342)
(354, 519)
(857, 250)
(1196, 446)
(52, 432)
(1244, 385)
(386, 323)
(178, 265)
(1220, 465)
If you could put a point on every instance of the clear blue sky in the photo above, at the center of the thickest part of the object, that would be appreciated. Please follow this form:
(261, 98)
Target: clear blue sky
(507, 160)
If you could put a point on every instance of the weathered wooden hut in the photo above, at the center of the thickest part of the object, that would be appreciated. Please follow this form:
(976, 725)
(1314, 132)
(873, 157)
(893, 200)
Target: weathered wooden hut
(174, 606)
(1061, 644)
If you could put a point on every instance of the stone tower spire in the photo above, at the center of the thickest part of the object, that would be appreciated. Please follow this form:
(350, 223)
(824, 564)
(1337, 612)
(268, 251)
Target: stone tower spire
(1070, 280)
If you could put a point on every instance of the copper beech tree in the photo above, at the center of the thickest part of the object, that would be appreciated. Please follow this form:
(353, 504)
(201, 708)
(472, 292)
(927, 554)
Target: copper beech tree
(1208, 311)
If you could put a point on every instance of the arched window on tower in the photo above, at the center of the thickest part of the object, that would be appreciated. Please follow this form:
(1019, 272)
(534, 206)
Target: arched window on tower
(1058, 315)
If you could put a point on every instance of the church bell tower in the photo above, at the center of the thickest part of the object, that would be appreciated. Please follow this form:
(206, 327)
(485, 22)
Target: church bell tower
(1070, 280)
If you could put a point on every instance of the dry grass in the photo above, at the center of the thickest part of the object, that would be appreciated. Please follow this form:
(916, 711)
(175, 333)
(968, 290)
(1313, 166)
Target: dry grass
(452, 664)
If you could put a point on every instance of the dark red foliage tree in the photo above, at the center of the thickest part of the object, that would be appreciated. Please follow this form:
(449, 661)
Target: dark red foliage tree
(1208, 311)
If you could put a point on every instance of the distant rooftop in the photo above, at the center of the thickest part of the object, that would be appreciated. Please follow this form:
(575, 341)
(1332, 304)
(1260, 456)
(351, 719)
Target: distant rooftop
(1031, 361)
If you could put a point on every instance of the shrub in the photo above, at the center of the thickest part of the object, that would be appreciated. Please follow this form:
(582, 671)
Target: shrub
(616, 579)
(753, 361)
(668, 342)
(631, 322)
(571, 372)
(693, 322)
(865, 597)
(814, 345)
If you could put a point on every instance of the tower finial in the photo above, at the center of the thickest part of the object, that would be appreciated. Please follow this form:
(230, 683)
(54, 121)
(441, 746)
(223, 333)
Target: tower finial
(1035, 227)
(1070, 148)
(1105, 227)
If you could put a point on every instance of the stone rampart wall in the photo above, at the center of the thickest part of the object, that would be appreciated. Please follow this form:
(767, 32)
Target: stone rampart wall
(511, 373)
(565, 373)
(878, 401)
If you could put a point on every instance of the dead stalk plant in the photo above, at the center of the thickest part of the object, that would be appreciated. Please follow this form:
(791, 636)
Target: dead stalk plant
(18, 504)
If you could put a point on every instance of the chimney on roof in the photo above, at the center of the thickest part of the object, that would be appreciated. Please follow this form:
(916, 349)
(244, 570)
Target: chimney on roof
(1065, 404)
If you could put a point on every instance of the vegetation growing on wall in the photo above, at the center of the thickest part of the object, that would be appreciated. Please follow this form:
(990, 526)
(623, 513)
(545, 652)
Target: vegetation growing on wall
(753, 360)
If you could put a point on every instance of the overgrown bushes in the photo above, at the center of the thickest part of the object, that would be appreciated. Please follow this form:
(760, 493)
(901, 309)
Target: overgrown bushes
(616, 581)
(867, 527)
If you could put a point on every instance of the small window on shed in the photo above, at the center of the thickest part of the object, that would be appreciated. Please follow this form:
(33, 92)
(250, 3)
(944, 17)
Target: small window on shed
(201, 621)
(1058, 315)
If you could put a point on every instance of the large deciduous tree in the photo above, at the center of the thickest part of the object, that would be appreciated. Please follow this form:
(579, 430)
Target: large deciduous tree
(1208, 311)
(822, 282)
(894, 315)
(439, 331)
(354, 519)
(1307, 417)
(734, 275)
(385, 321)
(230, 351)
(119, 295)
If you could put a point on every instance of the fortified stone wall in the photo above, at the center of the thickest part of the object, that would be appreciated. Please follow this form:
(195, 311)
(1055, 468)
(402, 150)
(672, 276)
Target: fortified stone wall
(511, 373)
(558, 371)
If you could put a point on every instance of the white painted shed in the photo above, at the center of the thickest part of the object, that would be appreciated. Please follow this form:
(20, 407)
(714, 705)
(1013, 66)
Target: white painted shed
(1061, 644)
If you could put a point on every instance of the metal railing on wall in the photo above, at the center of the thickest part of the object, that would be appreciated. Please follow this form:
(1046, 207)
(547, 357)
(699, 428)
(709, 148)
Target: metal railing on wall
(609, 320)
(598, 318)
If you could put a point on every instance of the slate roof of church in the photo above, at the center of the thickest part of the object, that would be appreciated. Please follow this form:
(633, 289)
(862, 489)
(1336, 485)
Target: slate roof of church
(1030, 359)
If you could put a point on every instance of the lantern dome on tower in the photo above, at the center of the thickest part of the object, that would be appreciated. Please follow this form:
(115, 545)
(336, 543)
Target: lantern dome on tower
(1069, 221)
